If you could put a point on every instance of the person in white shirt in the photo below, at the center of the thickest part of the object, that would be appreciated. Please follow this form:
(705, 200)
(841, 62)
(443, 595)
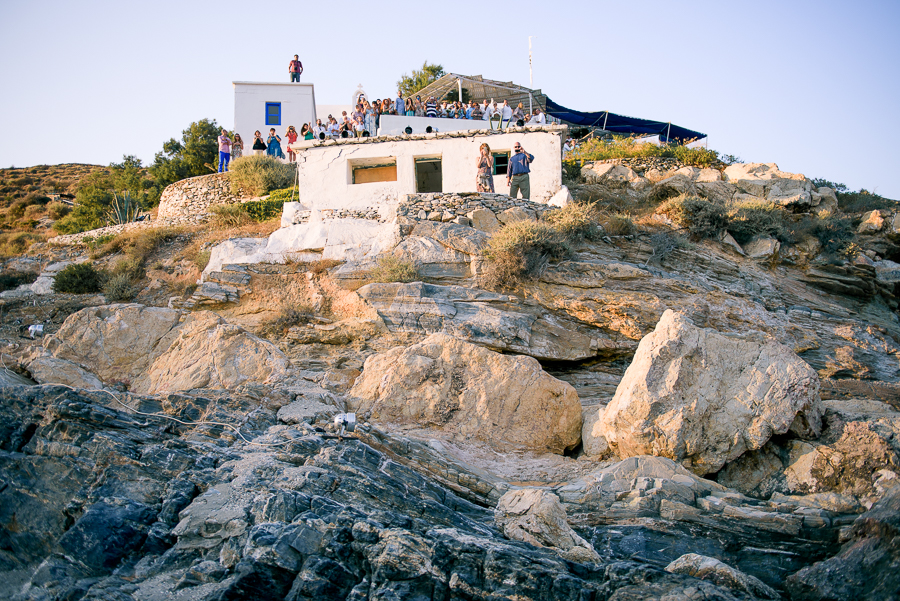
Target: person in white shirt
(538, 118)
(486, 110)
(505, 114)
(333, 128)
(318, 128)
(359, 127)
(568, 146)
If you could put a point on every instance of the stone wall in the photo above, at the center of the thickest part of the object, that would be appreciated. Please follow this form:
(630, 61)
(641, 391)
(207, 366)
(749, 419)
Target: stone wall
(193, 196)
(447, 206)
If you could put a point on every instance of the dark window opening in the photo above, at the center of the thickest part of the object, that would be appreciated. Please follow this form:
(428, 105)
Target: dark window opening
(429, 175)
(501, 163)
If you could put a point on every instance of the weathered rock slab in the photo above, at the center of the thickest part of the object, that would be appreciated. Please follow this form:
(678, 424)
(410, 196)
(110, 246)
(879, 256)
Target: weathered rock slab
(703, 399)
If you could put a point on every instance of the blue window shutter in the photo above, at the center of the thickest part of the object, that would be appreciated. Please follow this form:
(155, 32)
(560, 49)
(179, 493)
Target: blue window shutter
(273, 113)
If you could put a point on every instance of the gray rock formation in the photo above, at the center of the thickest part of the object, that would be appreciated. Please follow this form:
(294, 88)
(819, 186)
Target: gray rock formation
(703, 399)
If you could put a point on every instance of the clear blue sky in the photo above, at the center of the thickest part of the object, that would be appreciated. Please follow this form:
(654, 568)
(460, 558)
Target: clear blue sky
(812, 86)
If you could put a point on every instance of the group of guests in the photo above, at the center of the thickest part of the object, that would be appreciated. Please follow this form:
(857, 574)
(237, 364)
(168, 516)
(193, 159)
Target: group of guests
(430, 107)
(233, 148)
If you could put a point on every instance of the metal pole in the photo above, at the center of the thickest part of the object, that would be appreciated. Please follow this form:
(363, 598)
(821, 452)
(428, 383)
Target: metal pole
(668, 131)
(605, 117)
(459, 88)
(530, 73)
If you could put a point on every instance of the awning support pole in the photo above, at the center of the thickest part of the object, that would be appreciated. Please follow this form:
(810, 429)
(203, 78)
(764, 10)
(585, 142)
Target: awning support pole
(459, 88)
(605, 117)
(668, 131)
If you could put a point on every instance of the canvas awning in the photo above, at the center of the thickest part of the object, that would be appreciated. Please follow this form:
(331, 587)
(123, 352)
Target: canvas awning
(480, 88)
(622, 124)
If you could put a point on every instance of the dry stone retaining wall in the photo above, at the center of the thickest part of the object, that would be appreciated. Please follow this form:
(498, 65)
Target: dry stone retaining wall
(447, 206)
(193, 196)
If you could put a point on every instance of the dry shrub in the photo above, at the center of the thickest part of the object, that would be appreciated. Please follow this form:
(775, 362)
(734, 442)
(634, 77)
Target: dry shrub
(521, 250)
(58, 210)
(322, 265)
(230, 215)
(392, 269)
(201, 259)
(119, 287)
(16, 243)
(576, 221)
(754, 218)
(34, 211)
(701, 217)
(256, 175)
(618, 224)
(137, 245)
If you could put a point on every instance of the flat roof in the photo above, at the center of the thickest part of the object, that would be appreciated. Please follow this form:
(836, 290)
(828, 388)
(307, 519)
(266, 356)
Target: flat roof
(271, 83)
(463, 133)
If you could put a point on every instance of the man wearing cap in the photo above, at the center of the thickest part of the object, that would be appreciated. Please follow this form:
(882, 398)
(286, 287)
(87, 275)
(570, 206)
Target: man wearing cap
(517, 174)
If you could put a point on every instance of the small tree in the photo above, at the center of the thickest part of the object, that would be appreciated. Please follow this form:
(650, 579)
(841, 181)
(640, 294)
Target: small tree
(410, 84)
(195, 154)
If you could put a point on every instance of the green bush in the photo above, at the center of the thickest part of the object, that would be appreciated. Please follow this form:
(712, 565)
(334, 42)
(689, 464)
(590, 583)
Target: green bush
(79, 278)
(392, 269)
(58, 210)
(256, 175)
(119, 287)
(263, 210)
(283, 195)
(624, 148)
(702, 218)
(835, 233)
(201, 259)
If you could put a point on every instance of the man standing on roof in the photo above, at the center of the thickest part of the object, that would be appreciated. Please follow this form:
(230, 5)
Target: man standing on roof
(486, 110)
(399, 104)
(505, 114)
(295, 68)
(517, 173)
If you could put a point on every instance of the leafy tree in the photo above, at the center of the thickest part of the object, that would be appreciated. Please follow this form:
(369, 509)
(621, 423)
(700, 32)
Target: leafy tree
(453, 95)
(196, 154)
(410, 84)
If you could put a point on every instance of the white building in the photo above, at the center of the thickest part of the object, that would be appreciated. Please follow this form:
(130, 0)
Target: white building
(357, 173)
(261, 106)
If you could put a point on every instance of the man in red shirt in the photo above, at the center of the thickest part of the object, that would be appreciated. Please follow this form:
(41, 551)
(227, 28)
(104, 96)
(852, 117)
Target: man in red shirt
(295, 69)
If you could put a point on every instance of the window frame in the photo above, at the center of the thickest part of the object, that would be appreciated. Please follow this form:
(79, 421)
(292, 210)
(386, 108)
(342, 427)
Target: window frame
(494, 155)
(276, 117)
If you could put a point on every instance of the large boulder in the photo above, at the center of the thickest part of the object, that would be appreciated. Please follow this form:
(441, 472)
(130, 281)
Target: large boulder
(207, 352)
(703, 399)
(150, 350)
(114, 342)
(471, 392)
(537, 517)
(765, 180)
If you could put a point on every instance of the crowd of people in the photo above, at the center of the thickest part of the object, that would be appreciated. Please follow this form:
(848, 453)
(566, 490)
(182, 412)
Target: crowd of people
(365, 120)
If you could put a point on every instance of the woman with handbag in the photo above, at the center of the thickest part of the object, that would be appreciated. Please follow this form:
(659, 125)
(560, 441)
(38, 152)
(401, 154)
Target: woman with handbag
(259, 146)
(484, 180)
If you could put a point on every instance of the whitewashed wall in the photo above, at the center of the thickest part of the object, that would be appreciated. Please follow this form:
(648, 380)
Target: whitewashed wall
(394, 125)
(298, 106)
(325, 171)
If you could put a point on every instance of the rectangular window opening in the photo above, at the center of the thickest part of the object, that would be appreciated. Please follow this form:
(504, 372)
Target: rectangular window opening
(501, 162)
(429, 174)
(273, 113)
(367, 171)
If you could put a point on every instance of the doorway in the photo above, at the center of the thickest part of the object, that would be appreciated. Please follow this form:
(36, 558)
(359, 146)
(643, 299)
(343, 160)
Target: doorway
(429, 175)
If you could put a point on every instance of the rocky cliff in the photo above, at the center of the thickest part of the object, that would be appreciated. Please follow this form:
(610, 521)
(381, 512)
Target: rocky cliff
(709, 422)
